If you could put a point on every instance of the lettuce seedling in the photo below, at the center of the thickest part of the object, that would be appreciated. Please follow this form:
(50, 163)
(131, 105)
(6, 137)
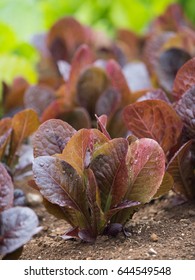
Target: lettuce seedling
(93, 182)
(17, 224)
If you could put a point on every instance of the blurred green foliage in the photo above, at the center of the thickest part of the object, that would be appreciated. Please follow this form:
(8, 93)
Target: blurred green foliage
(20, 19)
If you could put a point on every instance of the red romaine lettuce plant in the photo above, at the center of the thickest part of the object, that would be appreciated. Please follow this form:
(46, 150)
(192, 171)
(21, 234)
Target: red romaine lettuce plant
(13, 132)
(17, 224)
(172, 126)
(93, 182)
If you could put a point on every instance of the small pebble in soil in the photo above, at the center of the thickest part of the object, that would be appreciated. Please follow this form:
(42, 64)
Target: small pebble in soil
(154, 237)
(151, 251)
(33, 199)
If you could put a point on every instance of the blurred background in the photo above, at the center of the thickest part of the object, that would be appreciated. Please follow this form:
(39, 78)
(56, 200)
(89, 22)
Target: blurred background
(21, 19)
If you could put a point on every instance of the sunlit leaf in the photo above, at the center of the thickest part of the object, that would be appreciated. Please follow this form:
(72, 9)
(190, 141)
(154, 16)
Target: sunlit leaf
(78, 150)
(166, 185)
(24, 124)
(146, 167)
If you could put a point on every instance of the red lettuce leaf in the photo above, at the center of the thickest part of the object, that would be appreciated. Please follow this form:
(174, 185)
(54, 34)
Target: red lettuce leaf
(108, 102)
(82, 58)
(51, 137)
(17, 226)
(61, 39)
(80, 147)
(185, 108)
(58, 182)
(38, 97)
(166, 185)
(24, 124)
(4, 140)
(110, 171)
(154, 119)
(6, 189)
(118, 81)
(86, 235)
(182, 171)
(93, 196)
(101, 124)
(167, 65)
(146, 168)
(184, 79)
(158, 94)
(5, 133)
(91, 83)
(71, 233)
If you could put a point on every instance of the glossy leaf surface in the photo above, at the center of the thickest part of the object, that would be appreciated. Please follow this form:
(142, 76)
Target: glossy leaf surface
(146, 167)
(51, 137)
(58, 181)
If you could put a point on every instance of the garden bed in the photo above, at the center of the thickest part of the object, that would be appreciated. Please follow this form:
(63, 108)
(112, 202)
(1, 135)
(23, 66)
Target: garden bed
(160, 230)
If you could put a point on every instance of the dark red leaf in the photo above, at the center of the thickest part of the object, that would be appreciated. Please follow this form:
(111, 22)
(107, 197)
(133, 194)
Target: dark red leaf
(109, 167)
(167, 65)
(118, 81)
(91, 84)
(101, 123)
(185, 108)
(185, 79)
(154, 119)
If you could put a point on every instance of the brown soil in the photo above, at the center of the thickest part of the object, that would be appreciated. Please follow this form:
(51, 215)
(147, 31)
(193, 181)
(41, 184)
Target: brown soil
(160, 230)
